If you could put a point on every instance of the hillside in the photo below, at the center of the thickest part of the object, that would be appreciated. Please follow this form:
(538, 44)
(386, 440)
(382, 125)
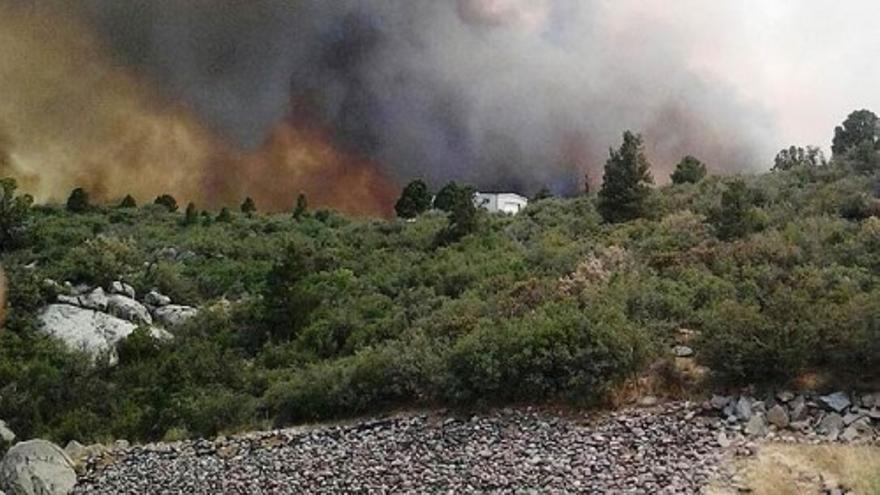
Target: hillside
(317, 315)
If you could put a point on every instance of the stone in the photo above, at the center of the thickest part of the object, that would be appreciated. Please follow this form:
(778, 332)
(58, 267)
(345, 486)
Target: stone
(797, 408)
(837, 402)
(121, 444)
(648, 401)
(122, 289)
(831, 425)
(849, 434)
(129, 310)
(719, 402)
(76, 451)
(173, 316)
(871, 400)
(7, 436)
(756, 426)
(785, 396)
(154, 298)
(682, 351)
(778, 416)
(96, 300)
(37, 467)
(89, 331)
(723, 440)
(743, 408)
(851, 418)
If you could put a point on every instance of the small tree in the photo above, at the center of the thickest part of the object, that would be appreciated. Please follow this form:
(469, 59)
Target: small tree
(414, 200)
(689, 171)
(861, 126)
(732, 220)
(167, 201)
(225, 215)
(446, 196)
(462, 217)
(287, 302)
(14, 215)
(795, 157)
(587, 186)
(128, 202)
(78, 201)
(191, 216)
(543, 193)
(626, 184)
(302, 206)
(248, 207)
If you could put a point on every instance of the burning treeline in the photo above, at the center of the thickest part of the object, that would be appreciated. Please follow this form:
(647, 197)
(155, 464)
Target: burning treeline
(70, 117)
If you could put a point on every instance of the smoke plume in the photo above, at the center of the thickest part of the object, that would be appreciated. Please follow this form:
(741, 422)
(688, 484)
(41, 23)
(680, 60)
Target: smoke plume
(346, 100)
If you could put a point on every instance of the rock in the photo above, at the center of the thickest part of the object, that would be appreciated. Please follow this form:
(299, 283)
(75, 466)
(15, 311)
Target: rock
(723, 440)
(173, 316)
(719, 402)
(96, 300)
(785, 396)
(797, 408)
(743, 408)
(778, 416)
(682, 351)
(90, 331)
(849, 434)
(37, 467)
(122, 289)
(129, 310)
(7, 436)
(837, 402)
(648, 401)
(851, 418)
(831, 425)
(168, 253)
(154, 298)
(757, 426)
(121, 444)
(871, 400)
(75, 450)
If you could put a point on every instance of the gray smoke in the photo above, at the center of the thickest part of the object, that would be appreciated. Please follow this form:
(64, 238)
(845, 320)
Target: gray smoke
(500, 93)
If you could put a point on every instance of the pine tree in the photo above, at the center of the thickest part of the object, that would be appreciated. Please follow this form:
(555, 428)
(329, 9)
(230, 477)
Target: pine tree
(225, 215)
(248, 207)
(414, 200)
(463, 218)
(191, 216)
(627, 182)
(128, 202)
(78, 201)
(689, 171)
(732, 220)
(302, 206)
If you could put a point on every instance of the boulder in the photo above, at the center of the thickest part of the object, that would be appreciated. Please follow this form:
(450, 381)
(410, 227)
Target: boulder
(154, 298)
(798, 408)
(173, 316)
(90, 331)
(778, 416)
(129, 310)
(682, 351)
(7, 436)
(837, 402)
(96, 300)
(79, 452)
(719, 402)
(122, 289)
(37, 467)
(743, 408)
(871, 400)
(831, 425)
(757, 426)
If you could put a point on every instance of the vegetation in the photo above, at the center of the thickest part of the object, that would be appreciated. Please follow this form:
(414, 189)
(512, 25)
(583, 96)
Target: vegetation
(167, 201)
(78, 201)
(415, 200)
(302, 207)
(627, 181)
(322, 315)
(689, 171)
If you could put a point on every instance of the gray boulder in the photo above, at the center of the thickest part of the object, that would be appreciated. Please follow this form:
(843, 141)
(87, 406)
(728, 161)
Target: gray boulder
(173, 316)
(37, 467)
(90, 331)
(831, 425)
(154, 298)
(7, 436)
(778, 416)
(129, 310)
(837, 402)
(122, 289)
(743, 408)
(798, 408)
(757, 426)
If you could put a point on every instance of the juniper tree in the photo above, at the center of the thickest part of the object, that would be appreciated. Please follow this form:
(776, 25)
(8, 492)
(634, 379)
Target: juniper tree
(689, 171)
(167, 201)
(626, 184)
(302, 206)
(249, 207)
(414, 200)
(78, 201)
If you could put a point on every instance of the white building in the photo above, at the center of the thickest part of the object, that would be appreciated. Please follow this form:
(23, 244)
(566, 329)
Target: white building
(510, 203)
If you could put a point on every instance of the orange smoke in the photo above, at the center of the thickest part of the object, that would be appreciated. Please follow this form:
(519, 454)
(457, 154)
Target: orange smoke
(70, 118)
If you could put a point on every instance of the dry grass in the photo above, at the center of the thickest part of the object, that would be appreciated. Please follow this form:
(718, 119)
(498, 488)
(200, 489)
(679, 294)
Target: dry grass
(806, 469)
(679, 378)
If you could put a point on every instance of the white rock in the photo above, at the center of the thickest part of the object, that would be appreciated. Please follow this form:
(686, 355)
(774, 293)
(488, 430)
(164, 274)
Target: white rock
(154, 298)
(682, 351)
(173, 316)
(37, 467)
(122, 289)
(86, 330)
(7, 436)
(95, 299)
(128, 309)
(777, 415)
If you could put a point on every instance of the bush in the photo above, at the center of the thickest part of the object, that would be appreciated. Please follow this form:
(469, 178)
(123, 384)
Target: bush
(14, 216)
(689, 171)
(100, 261)
(167, 201)
(78, 201)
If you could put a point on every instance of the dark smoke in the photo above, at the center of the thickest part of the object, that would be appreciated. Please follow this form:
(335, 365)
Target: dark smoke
(502, 93)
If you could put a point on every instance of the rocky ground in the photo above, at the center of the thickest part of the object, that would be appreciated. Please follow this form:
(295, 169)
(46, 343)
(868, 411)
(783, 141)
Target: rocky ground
(664, 449)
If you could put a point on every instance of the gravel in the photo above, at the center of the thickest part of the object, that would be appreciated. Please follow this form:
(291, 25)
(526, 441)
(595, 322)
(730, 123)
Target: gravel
(663, 449)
